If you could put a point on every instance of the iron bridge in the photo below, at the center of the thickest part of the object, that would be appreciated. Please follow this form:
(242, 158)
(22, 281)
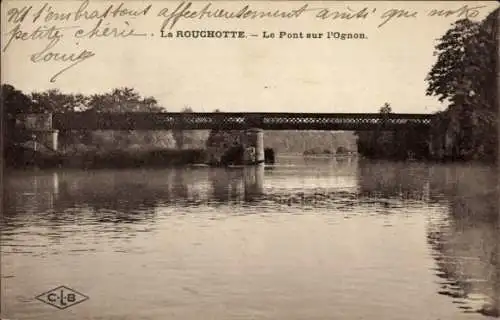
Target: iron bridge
(237, 121)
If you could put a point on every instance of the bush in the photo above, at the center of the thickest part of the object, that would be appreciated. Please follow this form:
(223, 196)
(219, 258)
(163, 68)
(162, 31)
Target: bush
(108, 159)
(317, 151)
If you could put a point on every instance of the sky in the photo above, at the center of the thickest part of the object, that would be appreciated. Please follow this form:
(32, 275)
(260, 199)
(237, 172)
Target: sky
(249, 75)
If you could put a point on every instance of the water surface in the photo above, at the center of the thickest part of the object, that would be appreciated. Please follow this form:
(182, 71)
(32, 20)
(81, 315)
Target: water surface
(306, 239)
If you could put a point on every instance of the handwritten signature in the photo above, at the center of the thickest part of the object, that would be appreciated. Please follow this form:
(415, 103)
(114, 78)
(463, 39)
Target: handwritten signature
(54, 35)
(46, 55)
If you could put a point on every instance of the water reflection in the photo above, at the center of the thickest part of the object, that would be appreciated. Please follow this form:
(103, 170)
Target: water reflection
(129, 195)
(465, 242)
(462, 231)
(254, 183)
(226, 185)
(405, 181)
(126, 196)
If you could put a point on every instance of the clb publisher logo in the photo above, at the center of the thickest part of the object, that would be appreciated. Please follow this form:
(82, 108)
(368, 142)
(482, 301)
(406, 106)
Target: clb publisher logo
(62, 297)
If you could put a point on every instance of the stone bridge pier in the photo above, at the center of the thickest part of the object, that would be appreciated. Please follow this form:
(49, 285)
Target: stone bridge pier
(253, 177)
(41, 130)
(253, 144)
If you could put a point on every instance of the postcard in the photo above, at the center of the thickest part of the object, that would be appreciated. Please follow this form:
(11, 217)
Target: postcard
(261, 160)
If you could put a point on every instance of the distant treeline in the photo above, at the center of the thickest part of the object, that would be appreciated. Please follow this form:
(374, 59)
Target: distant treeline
(117, 100)
(311, 142)
(465, 77)
(408, 143)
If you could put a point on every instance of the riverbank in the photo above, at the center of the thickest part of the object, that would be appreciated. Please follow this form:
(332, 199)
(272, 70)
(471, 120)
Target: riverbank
(25, 157)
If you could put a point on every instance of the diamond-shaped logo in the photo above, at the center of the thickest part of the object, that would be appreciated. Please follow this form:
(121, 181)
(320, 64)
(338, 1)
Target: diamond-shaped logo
(62, 297)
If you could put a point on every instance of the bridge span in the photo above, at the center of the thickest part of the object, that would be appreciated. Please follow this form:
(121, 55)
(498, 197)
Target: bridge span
(236, 121)
(47, 126)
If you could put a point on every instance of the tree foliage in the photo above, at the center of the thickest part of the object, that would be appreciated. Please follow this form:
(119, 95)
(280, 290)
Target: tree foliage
(410, 142)
(54, 101)
(123, 100)
(376, 144)
(386, 108)
(464, 76)
(13, 103)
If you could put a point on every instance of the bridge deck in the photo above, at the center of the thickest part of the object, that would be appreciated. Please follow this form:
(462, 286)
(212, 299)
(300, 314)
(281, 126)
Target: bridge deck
(235, 121)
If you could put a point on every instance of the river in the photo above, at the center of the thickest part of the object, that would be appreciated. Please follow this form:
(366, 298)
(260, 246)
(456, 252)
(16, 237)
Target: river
(306, 239)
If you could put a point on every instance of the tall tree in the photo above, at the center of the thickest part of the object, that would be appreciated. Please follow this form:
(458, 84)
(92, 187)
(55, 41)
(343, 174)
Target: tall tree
(385, 109)
(464, 76)
(14, 102)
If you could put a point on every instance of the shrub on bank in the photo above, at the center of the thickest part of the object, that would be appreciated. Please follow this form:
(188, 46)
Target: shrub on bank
(269, 156)
(316, 151)
(23, 157)
(151, 158)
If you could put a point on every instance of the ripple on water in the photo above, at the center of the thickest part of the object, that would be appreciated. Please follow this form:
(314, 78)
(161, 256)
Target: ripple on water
(316, 241)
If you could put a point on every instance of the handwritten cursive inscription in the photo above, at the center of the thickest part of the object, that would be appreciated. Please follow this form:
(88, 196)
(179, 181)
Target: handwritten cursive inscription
(52, 34)
(47, 55)
(53, 28)
(64, 32)
(184, 11)
(100, 31)
(48, 14)
(396, 14)
(348, 14)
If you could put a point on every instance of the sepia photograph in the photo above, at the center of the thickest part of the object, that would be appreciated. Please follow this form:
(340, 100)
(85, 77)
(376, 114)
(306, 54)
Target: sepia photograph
(249, 160)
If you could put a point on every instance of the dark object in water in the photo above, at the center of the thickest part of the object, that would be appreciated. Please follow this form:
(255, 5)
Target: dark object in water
(233, 156)
(316, 151)
(269, 156)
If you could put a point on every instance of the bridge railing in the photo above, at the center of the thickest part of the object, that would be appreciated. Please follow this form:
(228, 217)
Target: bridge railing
(342, 121)
(226, 121)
